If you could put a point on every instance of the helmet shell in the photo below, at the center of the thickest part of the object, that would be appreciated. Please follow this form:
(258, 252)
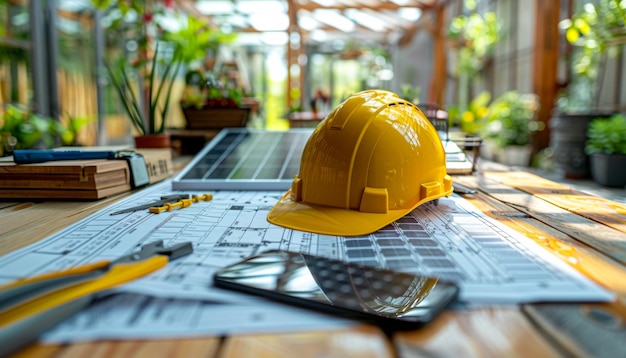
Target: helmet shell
(375, 158)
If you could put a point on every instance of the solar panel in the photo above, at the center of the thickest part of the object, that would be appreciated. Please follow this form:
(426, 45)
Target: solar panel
(245, 159)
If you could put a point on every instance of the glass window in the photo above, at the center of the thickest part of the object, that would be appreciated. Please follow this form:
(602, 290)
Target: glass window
(15, 79)
(75, 70)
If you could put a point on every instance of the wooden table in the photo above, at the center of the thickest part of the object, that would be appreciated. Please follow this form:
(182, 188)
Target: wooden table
(590, 236)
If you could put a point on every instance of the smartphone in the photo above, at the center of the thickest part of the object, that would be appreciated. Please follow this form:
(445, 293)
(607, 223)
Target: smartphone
(376, 295)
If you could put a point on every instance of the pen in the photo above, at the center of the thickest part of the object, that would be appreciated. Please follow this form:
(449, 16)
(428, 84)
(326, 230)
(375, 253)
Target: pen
(29, 156)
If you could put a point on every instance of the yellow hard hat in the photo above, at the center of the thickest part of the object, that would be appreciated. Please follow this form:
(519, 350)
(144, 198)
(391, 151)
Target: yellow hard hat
(374, 159)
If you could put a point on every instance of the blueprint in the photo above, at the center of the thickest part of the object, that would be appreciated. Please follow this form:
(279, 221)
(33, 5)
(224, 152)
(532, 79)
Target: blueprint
(450, 238)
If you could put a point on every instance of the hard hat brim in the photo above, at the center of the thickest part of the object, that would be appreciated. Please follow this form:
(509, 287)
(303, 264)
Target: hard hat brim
(327, 220)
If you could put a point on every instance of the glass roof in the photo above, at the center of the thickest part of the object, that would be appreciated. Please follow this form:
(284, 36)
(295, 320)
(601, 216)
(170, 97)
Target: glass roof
(316, 20)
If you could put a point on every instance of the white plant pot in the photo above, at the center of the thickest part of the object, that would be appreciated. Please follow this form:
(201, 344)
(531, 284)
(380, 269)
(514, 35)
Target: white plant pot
(517, 155)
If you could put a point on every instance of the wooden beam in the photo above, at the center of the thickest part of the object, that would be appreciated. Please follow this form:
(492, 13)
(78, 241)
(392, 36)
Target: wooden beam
(379, 6)
(545, 66)
(295, 49)
(439, 78)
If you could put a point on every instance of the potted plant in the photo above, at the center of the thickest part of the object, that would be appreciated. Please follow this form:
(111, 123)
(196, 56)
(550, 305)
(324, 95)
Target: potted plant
(470, 119)
(144, 79)
(209, 103)
(509, 125)
(606, 146)
(597, 31)
(149, 123)
(143, 67)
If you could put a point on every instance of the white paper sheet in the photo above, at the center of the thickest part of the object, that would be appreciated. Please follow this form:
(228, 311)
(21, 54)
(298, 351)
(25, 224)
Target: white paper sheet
(491, 263)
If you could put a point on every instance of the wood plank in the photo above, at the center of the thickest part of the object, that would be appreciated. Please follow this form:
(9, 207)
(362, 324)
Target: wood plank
(63, 193)
(65, 181)
(607, 240)
(581, 257)
(78, 168)
(196, 347)
(602, 210)
(587, 330)
(485, 332)
(29, 222)
(4, 205)
(361, 342)
(570, 327)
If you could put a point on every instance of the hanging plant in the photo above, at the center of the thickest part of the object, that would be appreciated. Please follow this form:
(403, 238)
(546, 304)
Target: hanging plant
(474, 38)
(597, 31)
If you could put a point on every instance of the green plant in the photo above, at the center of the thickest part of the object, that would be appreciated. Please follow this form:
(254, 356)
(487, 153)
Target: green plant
(145, 122)
(195, 38)
(471, 119)
(208, 92)
(509, 119)
(474, 39)
(21, 128)
(144, 77)
(410, 93)
(607, 135)
(597, 30)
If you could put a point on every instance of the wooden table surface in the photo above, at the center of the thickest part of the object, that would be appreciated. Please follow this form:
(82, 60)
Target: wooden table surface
(585, 231)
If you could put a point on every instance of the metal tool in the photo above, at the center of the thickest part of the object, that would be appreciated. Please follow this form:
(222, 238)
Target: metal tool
(164, 200)
(181, 204)
(463, 189)
(30, 306)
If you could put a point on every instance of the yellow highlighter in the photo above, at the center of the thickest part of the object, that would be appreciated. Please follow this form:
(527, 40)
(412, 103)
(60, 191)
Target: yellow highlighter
(31, 306)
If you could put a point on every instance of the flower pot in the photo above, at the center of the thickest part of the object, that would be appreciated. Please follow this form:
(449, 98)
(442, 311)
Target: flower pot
(216, 118)
(159, 140)
(490, 150)
(609, 169)
(568, 133)
(517, 155)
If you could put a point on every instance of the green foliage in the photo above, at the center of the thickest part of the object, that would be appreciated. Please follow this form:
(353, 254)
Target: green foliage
(410, 93)
(211, 93)
(607, 135)
(509, 119)
(477, 36)
(596, 30)
(20, 128)
(161, 50)
(195, 38)
(193, 97)
(15, 33)
(472, 118)
(146, 123)
(474, 38)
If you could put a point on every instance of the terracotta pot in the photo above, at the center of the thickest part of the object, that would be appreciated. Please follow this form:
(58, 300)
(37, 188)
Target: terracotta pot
(160, 140)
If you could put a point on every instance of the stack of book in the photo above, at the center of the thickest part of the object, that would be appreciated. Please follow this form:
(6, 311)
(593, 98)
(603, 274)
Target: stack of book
(78, 179)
